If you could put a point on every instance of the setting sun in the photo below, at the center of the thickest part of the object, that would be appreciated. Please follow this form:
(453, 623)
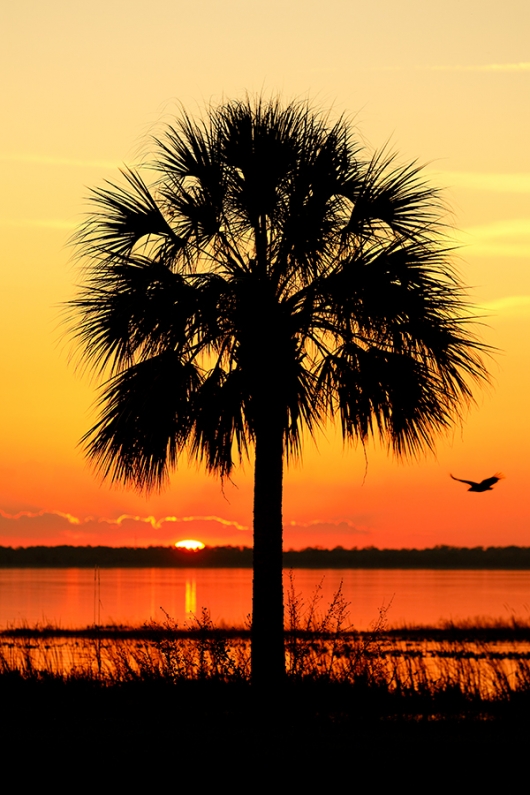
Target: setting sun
(189, 543)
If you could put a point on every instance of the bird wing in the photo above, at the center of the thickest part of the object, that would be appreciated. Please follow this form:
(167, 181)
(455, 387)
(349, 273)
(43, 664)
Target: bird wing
(469, 482)
(491, 481)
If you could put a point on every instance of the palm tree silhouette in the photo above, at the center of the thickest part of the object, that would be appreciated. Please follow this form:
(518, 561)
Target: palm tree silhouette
(270, 277)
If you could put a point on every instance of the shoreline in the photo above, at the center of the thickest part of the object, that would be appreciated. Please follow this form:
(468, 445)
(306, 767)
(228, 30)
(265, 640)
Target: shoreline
(509, 558)
(480, 630)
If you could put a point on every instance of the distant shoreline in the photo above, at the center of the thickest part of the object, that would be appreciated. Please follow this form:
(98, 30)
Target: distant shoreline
(439, 557)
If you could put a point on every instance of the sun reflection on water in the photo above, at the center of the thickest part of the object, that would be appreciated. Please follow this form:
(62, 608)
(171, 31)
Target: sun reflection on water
(190, 597)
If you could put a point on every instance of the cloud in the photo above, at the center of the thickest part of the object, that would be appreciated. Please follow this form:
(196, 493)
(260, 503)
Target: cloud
(57, 527)
(68, 517)
(510, 238)
(46, 160)
(514, 305)
(38, 526)
(516, 67)
(321, 533)
(499, 183)
(27, 528)
(520, 66)
(158, 523)
(515, 227)
(322, 525)
(41, 223)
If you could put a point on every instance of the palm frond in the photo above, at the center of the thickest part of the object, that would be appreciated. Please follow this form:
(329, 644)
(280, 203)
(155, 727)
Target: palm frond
(221, 424)
(146, 420)
(138, 308)
(387, 394)
(123, 217)
(395, 197)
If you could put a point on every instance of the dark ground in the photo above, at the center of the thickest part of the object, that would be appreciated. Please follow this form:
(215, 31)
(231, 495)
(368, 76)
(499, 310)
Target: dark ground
(207, 733)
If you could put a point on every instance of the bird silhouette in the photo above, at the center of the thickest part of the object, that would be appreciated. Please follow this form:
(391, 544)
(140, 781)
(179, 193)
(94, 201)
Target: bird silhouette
(484, 485)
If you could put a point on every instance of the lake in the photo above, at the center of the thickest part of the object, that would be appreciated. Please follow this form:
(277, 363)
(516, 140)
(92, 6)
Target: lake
(75, 598)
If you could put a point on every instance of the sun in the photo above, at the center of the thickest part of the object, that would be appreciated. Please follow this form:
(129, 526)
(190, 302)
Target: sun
(189, 543)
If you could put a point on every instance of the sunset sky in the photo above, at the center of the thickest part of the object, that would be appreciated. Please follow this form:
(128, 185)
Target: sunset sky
(85, 84)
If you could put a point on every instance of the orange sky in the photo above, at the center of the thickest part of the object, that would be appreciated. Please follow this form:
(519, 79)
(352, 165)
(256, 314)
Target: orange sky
(85, 83)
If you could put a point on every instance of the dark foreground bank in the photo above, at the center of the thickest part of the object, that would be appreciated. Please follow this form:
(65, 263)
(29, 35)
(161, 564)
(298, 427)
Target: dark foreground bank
(207, 732)
(440, 557)
(154, 706)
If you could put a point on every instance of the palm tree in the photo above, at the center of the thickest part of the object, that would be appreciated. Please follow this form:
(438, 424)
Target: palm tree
(269, 277)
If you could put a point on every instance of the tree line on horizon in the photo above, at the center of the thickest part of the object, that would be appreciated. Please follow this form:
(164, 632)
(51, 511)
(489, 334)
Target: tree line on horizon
(438, 557)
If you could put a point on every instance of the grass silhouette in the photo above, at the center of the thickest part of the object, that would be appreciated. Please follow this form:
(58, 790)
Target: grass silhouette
(475, 665)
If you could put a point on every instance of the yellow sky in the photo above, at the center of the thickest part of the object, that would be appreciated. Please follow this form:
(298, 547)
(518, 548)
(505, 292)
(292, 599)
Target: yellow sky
(83, 86)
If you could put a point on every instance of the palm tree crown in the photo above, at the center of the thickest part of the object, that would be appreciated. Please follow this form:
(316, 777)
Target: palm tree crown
(270, 276)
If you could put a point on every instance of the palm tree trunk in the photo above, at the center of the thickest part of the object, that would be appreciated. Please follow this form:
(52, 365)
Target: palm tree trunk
(267, 643)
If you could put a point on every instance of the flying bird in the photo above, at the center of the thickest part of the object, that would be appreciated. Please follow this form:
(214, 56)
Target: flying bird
(484, 485)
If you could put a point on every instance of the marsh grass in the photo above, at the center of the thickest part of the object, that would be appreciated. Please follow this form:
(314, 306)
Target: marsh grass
(455, 664)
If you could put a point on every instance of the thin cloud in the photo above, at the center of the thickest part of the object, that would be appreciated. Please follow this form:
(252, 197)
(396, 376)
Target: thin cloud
(59, 527)
(50, 160)
(510, 238)
(520, 66)
(313, 522)
(157, 523)
(324, 526)
(509, 68)
(320, 532)
(40, 223)
(499, 183)
(39, 514)
(509, 305)
(512, 227)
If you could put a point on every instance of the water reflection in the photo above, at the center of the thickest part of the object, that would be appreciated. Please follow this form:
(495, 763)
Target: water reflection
(190, 598)
(97, 596)
(474, 669)
(83, 597)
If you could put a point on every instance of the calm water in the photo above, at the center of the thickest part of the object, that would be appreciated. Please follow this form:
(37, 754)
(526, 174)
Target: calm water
(81, 597)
